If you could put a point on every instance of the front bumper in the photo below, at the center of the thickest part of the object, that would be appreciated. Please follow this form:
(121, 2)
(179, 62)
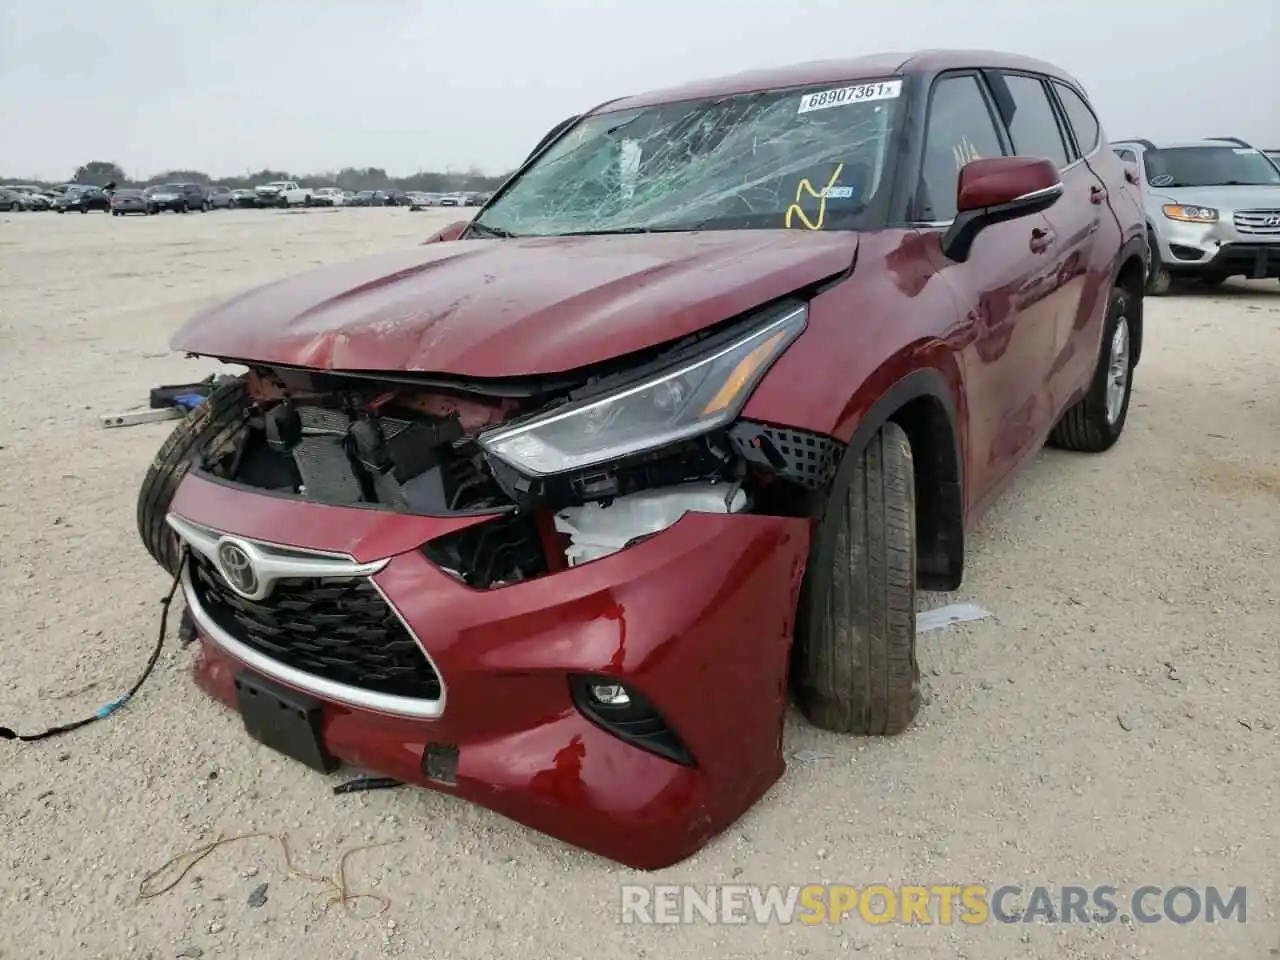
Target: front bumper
(698, 619)
(1239, 244)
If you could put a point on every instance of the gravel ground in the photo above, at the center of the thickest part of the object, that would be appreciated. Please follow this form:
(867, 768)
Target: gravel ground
(1114, 722)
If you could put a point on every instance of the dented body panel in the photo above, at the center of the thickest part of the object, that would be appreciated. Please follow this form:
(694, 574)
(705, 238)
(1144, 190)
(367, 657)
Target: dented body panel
(672, 615)
(512, 308)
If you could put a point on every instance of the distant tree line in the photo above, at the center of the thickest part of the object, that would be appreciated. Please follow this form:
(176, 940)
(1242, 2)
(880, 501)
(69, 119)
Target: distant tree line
(100, 173)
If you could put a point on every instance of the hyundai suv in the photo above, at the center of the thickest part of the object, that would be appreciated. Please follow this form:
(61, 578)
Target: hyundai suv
(548, 512)
(1212, 209)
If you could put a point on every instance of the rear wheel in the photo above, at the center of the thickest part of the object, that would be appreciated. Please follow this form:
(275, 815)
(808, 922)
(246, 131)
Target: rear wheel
(208, 431)
(1095, 423)
(854, 665)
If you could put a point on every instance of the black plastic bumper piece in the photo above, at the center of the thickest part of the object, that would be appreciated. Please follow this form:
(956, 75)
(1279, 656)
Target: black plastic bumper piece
(1256, 261)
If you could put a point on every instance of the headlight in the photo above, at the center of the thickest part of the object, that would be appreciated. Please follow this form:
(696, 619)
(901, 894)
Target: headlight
(1187, 214)
(688, 400)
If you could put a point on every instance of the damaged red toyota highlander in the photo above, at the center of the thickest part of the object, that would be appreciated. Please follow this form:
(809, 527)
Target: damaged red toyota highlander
(552, 512)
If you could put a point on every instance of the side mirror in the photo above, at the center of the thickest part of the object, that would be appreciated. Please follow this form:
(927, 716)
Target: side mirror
(452, 232)
(995, 190)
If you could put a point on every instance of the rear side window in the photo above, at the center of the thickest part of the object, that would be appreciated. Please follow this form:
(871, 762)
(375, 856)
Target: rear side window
(960, 129)
(1083, 122)
(1033, 127)
(1126, 155)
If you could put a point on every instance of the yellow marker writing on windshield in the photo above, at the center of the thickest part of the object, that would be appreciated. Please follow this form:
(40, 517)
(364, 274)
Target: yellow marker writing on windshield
(804, 186)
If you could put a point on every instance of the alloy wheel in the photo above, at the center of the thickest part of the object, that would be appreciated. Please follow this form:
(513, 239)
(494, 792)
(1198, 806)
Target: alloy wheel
(1118, 370)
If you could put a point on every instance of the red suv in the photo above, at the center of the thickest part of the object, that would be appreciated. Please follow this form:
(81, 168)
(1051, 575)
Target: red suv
(552, 512)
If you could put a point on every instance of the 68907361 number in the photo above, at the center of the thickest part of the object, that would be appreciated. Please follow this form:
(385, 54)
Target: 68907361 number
(843, 96)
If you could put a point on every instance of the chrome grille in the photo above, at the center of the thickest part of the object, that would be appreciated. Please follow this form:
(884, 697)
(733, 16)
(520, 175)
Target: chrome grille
(337, 628)
(1259, 223)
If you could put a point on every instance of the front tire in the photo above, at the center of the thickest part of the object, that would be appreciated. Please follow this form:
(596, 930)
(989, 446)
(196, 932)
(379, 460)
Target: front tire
(1095, 423)
(854, 665)
(1159, 280)
(210, 430)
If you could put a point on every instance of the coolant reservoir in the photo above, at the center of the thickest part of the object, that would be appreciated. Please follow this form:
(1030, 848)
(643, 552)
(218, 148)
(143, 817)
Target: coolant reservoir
(596, 531)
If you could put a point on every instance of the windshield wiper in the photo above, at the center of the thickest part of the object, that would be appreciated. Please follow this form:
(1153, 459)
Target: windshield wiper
(484, 230)
(625, 230)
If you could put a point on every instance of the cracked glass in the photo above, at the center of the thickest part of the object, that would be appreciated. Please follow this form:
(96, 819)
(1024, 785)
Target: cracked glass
(801, 158)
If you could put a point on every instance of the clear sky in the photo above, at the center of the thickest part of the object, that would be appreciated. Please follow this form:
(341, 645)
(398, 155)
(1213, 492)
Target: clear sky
(310, 85)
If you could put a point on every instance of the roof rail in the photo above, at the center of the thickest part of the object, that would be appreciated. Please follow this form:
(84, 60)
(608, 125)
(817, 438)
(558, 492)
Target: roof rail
(1236, 140)
(1145, 144)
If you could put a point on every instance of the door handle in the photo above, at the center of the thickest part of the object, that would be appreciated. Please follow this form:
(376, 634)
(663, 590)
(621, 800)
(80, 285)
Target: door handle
(1097, 194)
(1041, 239)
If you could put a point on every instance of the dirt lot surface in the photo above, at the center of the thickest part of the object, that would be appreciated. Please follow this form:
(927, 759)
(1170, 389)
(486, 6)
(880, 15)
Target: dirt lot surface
(1114, 723)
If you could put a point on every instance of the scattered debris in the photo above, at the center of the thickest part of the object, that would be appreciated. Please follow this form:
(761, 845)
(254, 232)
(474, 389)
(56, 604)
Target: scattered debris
(189, 953)
(131, 418)
(946, 616)
(1246, 725)
(341, 895)
(361, 784)
(1128, 721)
(810, 756)
(1173, 672)
(168, 402)
(258, 896)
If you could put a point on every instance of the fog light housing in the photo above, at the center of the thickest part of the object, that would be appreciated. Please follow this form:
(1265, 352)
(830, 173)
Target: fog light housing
(610, 694)
(620, 709)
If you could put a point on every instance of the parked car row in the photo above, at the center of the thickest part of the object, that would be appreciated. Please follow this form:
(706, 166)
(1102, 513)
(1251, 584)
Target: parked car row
(192, 197)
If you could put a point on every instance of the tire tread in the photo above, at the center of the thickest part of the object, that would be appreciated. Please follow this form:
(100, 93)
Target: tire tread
(210, 427)
(856, 648)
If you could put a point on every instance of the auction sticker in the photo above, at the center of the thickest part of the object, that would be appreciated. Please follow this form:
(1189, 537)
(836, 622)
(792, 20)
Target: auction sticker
(843, 96)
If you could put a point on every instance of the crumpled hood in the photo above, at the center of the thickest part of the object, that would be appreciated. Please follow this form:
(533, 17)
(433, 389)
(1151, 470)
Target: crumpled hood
(507, 308)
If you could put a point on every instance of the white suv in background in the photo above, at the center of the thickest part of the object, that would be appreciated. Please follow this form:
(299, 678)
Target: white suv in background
(1213, 210)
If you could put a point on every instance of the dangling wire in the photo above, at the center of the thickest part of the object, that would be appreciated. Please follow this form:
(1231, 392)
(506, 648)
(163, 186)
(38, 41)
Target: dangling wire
(105, 711)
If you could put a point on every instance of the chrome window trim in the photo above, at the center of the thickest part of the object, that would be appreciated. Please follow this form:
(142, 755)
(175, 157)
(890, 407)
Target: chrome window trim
(285, 561)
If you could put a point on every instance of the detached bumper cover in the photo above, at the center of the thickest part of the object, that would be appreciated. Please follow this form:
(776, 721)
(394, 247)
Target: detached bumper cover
(698, 619)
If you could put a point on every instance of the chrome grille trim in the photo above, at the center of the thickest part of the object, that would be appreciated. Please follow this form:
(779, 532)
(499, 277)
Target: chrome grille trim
(1258, 223)
(282, 561)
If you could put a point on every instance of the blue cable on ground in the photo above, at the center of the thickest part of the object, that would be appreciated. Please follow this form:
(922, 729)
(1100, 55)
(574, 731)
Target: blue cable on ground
(105, 711)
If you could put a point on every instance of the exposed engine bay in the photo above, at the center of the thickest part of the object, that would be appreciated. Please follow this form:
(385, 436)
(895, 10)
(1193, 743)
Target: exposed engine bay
(349, 440)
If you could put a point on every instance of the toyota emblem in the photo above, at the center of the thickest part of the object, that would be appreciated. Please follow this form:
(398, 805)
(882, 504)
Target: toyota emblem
(237, 569)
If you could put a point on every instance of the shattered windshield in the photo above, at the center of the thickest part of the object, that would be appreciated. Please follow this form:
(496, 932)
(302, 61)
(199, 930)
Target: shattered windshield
(808, 158)
(1210, 167)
